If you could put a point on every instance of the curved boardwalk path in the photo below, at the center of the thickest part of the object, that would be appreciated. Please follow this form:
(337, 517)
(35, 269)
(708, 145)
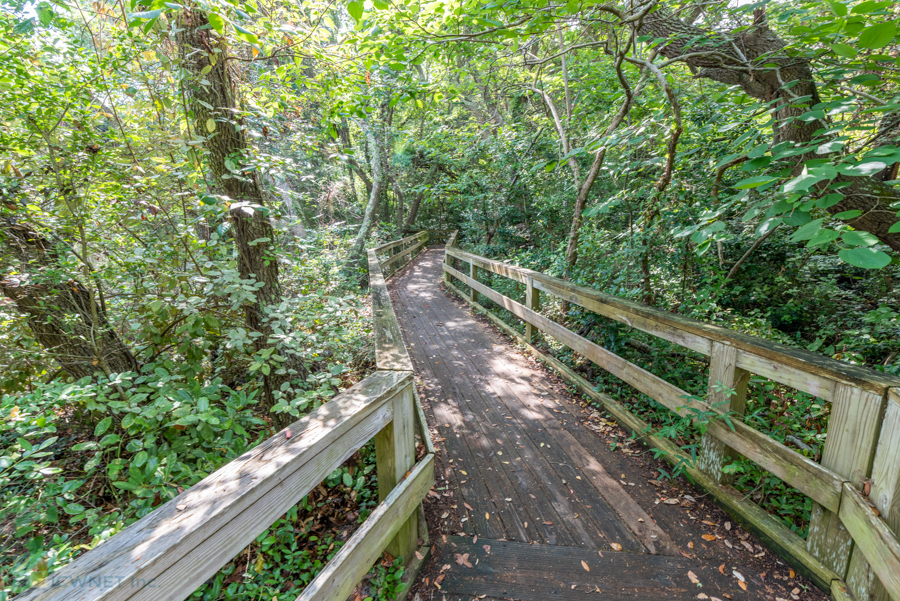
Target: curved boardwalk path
(553, 508)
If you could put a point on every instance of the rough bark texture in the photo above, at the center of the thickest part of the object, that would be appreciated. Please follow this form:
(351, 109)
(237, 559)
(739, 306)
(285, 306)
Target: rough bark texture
(62, 313)
(729, 60)
(227, 146)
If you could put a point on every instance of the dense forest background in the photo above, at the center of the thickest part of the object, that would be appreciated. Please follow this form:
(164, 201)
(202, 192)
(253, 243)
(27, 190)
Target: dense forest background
(186, 192)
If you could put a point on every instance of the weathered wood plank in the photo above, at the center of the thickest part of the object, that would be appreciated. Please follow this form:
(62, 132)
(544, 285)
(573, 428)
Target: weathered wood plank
(351, 563)
(390, 351)
(853, 430)
(533, 302)
(512, 570)
(885, 495)
(184, 542)
(876, 541)
(723, 372)
(395, 454)
(812, 479)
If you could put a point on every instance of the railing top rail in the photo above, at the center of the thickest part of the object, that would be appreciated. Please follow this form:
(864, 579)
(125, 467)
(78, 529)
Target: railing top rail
(696, 335)
(390, 350)
(182, 543)
(389, 245)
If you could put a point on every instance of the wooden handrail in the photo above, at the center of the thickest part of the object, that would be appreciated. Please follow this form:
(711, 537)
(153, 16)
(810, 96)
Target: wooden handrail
(797, 368)
(859, 396)
(173, 550)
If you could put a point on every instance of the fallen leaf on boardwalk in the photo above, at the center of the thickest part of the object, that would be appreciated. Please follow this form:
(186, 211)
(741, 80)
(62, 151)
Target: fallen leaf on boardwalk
(548, 523)
(467, 506)
(738, 575)
(615, 546)
(693, 578)
(792, 574)
(445, 567)
(708, 523)
(709, 537)
(728, 544)
(419, 556)
(702, 596)
(742, 584)
(475, 540)
(722, 569)
(532, 496)
(487, 516)
(181, 507)
(462, 559)
(747, 545)
(585, 565)
(671, 501)
(487, 549)
(600, 553)
(445, 515)
(727, 525)
(463, 472)
(690, 545)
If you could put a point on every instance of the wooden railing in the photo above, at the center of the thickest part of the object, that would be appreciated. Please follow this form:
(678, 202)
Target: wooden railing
(172, 551)
(400, 252)
(857, 479)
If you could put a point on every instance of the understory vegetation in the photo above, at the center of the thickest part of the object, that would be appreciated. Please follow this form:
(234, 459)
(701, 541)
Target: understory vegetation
(187, 191)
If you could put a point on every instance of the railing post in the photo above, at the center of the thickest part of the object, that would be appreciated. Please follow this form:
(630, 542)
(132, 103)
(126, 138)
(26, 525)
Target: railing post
(395, 454)
(885, 495)
(533, 302)
(723, 370)
(853, 431)
(473, 273)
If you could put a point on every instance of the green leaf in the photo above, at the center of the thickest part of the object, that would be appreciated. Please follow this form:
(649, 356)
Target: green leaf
(848, 214)
(754, 182)
(844, 50)
(109, 439)
(217, 22)
(348, 480)
(145, 15)
(103, 426)
(823, 237)
(808, 231)
(877, 36)
(44, 12)
(356, 10)
(829, 200)
(73, 508)
(867, 258)
(894, 229)
(859, 238)
(862, 169)
(139, 459)
(210, 125)
(86, 446)
(802, 183)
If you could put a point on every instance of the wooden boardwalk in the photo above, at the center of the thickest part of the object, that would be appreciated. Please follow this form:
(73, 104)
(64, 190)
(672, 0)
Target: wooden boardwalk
(557, 514)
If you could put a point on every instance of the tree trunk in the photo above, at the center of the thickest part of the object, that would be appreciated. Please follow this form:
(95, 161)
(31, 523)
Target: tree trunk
(62, 313)
(758, 45)
(214, 108)
(356, 256)
(417, 199)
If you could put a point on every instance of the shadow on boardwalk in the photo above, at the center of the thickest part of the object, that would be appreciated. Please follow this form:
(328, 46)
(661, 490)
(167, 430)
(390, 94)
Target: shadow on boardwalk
(536, 500)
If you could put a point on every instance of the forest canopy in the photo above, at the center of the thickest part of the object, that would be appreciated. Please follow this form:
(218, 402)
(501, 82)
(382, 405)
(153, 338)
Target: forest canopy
(187, 191)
